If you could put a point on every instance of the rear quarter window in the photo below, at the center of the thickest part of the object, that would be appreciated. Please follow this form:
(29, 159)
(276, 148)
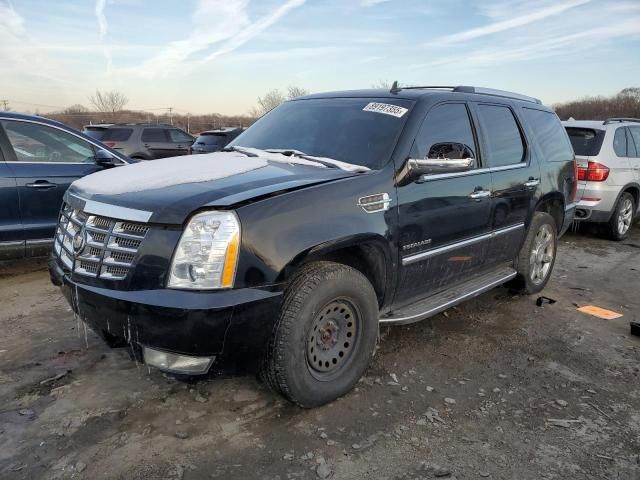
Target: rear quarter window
(117, 134)
(549, 135)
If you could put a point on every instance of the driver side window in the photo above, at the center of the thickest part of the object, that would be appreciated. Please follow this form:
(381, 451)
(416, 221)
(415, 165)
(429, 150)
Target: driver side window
(34, 142)
(446, 134)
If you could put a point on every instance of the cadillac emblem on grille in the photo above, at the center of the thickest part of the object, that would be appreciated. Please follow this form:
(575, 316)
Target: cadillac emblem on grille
(97, 246)
(79, 241)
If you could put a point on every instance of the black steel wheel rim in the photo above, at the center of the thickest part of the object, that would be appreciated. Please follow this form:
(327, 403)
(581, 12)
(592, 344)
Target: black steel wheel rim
(333, 339)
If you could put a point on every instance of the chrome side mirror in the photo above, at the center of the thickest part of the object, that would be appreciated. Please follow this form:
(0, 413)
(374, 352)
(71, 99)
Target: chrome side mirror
(440, 165)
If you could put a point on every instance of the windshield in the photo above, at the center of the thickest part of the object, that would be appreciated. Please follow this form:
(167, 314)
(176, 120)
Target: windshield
(586, 142)
(360, 131)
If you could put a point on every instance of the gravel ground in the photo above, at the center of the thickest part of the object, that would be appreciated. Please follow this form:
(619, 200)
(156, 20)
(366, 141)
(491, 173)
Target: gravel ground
(496, 388)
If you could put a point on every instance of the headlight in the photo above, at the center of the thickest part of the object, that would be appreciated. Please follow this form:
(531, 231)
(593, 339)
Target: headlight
(207, 254)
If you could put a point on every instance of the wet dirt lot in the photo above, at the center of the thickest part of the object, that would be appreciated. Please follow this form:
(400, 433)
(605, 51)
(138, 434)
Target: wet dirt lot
(497, 388)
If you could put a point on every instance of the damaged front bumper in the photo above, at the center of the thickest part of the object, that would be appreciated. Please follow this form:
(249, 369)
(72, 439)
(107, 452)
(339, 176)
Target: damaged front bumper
(175, 330)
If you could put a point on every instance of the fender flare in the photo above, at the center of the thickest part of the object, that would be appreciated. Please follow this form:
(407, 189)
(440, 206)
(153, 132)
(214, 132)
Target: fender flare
(379, 257)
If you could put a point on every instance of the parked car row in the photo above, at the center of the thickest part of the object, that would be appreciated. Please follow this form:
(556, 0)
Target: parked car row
(150, 141)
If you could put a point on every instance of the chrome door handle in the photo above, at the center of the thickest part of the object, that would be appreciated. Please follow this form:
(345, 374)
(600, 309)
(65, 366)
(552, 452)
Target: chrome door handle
(532, 182)
(40, 185)
(480, 194)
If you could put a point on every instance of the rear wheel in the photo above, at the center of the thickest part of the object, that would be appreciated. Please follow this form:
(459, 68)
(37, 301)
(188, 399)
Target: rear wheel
(617, 228)
(538, 254)
(325, 336)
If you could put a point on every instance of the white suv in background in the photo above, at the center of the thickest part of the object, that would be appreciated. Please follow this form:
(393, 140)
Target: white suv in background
(608, 157)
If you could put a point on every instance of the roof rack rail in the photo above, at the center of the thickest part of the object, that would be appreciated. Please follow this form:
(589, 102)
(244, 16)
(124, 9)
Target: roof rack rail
(620, 120)
(497, 93)
(469, 89)
(141, 124)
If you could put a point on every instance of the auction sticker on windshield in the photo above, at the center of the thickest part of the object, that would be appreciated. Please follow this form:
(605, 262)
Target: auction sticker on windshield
(385, 108)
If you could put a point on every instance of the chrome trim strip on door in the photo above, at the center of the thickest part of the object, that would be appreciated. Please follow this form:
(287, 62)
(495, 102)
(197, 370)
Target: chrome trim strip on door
(408, 260)
(108, 210)
(440, 308)
(439, 176)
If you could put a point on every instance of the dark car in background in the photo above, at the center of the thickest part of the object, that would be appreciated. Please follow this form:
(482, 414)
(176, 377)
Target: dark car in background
(143, 141)
(39, 158)
(214, 140)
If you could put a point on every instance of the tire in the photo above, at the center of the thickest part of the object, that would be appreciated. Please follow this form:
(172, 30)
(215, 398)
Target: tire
(537, 255)
(617, 228)
(311, 368)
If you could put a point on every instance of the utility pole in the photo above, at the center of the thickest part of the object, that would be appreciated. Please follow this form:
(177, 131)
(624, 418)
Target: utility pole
(188, 122)
(170, 115)
(5, 104)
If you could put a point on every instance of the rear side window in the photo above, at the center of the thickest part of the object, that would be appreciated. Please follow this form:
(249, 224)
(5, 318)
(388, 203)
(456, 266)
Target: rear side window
(635, 136)
(154, 135)
(631, 146)
(549, 135)
(586, 142)
(445, 124)
(620, 142)
(117, 134)
(503, 139)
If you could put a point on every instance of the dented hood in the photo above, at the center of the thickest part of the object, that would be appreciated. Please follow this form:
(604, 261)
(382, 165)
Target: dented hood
(171, 189)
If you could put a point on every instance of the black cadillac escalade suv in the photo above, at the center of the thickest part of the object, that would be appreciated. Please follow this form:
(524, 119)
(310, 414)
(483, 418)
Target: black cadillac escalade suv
(333, 214)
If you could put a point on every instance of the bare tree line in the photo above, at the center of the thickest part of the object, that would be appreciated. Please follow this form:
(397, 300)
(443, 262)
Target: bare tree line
(109, 108)
(625, 103)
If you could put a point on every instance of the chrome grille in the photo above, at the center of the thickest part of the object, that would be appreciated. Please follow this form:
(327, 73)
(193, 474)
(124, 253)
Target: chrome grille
(110, 248)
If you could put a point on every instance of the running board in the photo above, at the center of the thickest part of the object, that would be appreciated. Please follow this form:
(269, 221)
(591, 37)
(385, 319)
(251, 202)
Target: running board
(448, 298)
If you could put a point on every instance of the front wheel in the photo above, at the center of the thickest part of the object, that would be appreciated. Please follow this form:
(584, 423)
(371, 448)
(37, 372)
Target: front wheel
(538, 254)
(325, 336)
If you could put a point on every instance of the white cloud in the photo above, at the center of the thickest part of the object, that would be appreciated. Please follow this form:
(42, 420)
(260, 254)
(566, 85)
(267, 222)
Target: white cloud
(102, 19)
(103, 29)
(14, 38)
(371, 3)
(547, 46)
(221, 23)
(525, 18)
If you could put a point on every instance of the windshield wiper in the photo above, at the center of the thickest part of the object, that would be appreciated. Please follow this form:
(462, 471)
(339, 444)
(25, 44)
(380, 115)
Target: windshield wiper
(244, 151)
(297, 153)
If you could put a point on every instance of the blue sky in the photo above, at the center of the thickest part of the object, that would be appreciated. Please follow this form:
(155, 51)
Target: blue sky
(204, 56)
